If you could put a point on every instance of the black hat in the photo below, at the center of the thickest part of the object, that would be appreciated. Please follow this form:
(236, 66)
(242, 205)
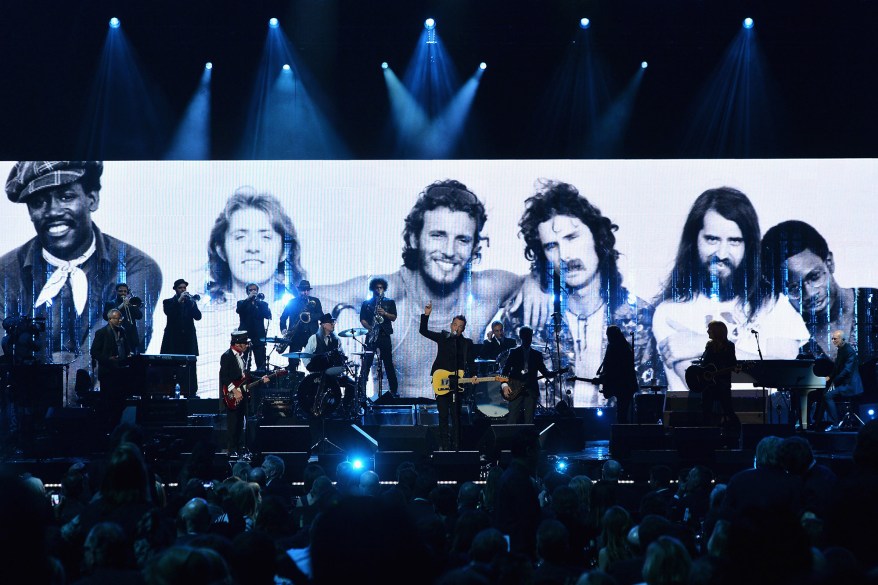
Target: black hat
(180, 281)
(304, 285)
(30, 176)
(327, 318)
(240, 337)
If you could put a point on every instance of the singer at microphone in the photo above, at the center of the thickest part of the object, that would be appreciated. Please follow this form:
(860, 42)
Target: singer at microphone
(453, 353)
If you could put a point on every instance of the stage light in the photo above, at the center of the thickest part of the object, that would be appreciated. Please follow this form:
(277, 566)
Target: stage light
(429, 24)
(584, 23)
(748, 22)
(114, 23)
(208, 65)
(272, 22)
(600, 412)
(286, 66)
(483, 65)
(644, 64)
(561, 465)
(285, 300)
(384, 65)
(358, 463)
(871, 412)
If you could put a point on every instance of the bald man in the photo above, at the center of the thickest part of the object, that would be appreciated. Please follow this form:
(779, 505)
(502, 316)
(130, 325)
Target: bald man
(844, 381)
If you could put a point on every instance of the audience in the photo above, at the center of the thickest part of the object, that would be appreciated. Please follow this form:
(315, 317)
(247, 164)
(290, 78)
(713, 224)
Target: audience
(788, 520)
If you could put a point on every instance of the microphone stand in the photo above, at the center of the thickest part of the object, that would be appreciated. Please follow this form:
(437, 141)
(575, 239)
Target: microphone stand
(765, 409)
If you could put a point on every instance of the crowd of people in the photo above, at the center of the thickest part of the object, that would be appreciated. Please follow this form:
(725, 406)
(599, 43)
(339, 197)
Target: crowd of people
(789, 519)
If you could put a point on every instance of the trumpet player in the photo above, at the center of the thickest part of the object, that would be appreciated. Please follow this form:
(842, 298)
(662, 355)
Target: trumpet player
(131, 310)
(182, 312)
(299, 320)
(377, 315)
(253, 311)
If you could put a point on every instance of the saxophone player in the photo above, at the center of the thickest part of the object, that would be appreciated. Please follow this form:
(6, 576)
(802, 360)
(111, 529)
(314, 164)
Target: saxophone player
(299, 320)
(377, 315)
(131, 309)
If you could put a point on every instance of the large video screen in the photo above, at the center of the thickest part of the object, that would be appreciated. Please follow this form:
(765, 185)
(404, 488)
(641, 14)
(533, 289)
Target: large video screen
(782, 251)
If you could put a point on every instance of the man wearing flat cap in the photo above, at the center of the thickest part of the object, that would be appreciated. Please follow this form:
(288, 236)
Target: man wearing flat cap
(66, 273)
(232, 377)
(299, 320)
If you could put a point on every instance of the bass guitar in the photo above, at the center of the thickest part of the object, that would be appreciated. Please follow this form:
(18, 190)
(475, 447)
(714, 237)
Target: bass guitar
(245, 388)
(442, 380)
(516, 387)
(599, 381)
(700, 378)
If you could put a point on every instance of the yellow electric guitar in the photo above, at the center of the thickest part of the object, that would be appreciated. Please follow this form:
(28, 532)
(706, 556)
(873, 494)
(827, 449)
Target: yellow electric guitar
(442, 380)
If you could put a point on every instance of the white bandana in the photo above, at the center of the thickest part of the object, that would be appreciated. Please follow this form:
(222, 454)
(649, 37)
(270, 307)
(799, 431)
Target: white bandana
(64, 270)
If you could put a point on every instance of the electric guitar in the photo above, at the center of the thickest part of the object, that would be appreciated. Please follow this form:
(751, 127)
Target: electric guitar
(244, 387)
(700, 378)
(599, 381)
(516, 387)
(442, 380)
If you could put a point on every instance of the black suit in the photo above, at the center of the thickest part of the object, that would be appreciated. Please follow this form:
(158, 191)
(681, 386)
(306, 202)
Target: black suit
(180, 335)
(110, 348)
(298, 331)
(619, 378)
(130, 317)
(231, 372)
(453, 353)
(524, 370)
(253, 314)
(490, 349)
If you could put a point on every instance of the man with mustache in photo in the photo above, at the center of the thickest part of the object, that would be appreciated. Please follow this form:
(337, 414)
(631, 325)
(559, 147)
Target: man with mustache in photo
(65, 274)
(716, 278)
(566, 235)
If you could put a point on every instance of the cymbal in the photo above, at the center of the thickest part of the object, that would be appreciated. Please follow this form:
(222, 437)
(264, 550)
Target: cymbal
(297, 355)
(353, 332)
(362, 353)
(272, 340)
(484, 361)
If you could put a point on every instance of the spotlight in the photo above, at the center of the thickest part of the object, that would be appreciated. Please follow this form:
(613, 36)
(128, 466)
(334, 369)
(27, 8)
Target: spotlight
(358, 463)
(286, 66)
(272, 22)
(748, 22)
(600, 412)
(208, 65)
(114, 23)
(584, 23)
(384, 65)
(429, 24)
(561, 465)
(871, 412)
(644, 64)
(483, 65)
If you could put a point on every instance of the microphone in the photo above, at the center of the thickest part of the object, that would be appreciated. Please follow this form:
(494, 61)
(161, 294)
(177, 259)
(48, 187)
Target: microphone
(754, 332)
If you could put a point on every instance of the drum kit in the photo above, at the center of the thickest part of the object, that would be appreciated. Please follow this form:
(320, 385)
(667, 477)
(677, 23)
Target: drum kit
(320, 392)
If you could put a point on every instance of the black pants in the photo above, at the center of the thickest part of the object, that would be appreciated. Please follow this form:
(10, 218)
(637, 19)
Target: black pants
(523, 406)
(235, 426)
(721, 394)
(386, 356)
(258, 350)
(448, 406)
(623, 409)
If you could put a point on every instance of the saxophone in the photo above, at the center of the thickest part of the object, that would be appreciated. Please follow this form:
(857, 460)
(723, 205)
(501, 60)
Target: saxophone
(377, 320)
(304, 320)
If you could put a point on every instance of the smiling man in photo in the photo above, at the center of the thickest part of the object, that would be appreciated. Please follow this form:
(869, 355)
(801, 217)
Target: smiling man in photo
(66, 272)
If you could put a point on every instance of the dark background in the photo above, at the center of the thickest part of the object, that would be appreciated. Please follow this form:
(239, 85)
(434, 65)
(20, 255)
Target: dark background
(820, 59)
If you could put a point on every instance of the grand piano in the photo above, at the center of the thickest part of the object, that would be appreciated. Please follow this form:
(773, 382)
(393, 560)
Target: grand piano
(797, 376)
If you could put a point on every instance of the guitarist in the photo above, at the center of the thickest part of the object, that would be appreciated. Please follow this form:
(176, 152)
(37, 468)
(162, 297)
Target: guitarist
(231, 376)
(719, 353)
(385, 310)
(521, 368)
(617, 373)
(454, 352)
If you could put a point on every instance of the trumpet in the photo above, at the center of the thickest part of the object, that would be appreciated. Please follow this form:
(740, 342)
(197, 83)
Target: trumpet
(129, 301)
(260, 297)
(194, 298)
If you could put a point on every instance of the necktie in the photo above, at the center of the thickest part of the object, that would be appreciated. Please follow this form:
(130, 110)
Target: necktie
(65, 270)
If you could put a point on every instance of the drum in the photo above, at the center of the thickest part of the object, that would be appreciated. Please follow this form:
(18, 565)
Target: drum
(306, 398)
(489, 400)
(324, 361)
